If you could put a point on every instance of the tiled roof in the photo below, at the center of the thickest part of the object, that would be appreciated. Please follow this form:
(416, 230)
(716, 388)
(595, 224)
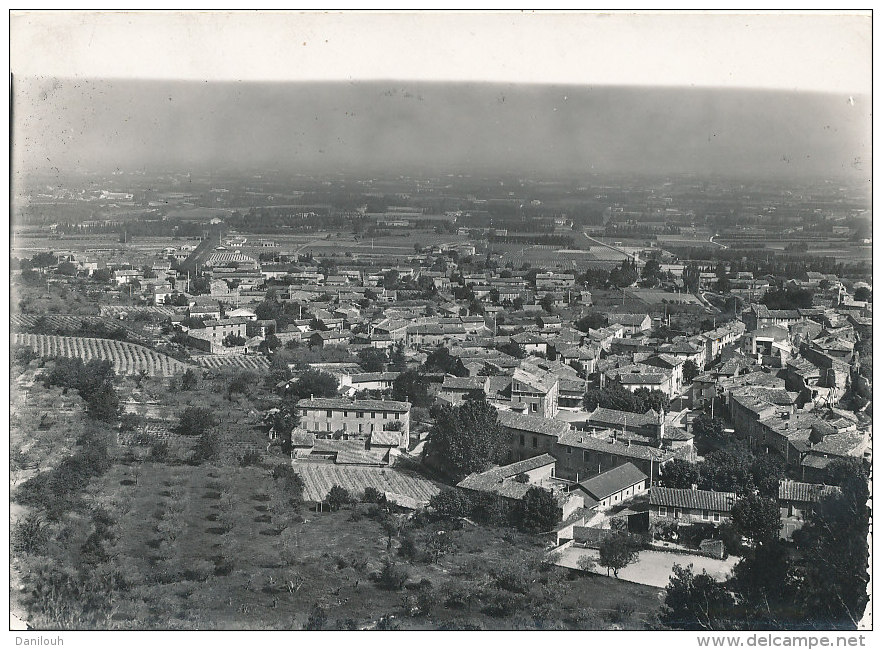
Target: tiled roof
(354, 405)
(612, 481)
(386, 438)
(632, 320)
(532, 424)
(499, 480)
(805, 492)
(693, 499)
(612, 417)
(463, 383)
(582, 440)
(374, 376)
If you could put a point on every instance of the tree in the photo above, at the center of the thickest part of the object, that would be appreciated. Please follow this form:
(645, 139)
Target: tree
(695, 602)
(592, 320)
(538, 511)
(200, 285)
(613, 396)
(372, 359)
(289, 482)
(207, 448)
(625, 275)
(690, 371)
(691, 277)
(67, 268)
(757, 518)
(313, 383)
(44, 260)
(196, 420)
(679, 473)
(232, 340)
(863, 294)
(102, 275)
(616, 552)
(338, 497)
(651, 399)
(466, 438)
(708, 427)
(440, 360)
(834, 544)
(451, 503)
(412, 386)
(512, 349)
(102, 403)
(788, 298)
(188, 380)
(547, 302)
(651, 272)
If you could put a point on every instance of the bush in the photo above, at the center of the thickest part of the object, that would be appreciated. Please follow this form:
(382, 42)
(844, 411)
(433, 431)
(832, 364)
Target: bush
(451, 503)
(159, 452)
(30, 535)
(251, 457)
(392, 577)
(372, 495)
(195, 421)
(338, 497)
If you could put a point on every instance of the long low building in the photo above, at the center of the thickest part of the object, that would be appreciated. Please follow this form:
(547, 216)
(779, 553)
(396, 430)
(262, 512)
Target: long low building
(687, 506)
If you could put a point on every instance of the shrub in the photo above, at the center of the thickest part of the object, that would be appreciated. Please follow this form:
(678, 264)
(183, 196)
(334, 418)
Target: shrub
(195, 421)
(317, 618)
(372, 495)
(451, 503)
(338, 497)
(30, 535)
(392, 577)
(251, 457)
(159, 452)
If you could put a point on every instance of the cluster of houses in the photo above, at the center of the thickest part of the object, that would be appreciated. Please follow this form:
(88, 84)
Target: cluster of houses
(776, 376)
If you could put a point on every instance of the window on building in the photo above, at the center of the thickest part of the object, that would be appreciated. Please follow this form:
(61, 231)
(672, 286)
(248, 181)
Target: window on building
(535, 442)
(716, 516)
(522, 440)
(534, 407)
(585, 456)
(328, 413)
(345, 414)
(328, 426)
(662, 511)
(705, 514)
(398, 416)
(373, 415)
(677, 513)
(359, 414)
(569, 450)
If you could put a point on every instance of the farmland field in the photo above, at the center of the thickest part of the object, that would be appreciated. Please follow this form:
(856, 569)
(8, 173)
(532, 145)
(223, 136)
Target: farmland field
(127, 358)
(248, 362)
(320, 477)
(70, 323)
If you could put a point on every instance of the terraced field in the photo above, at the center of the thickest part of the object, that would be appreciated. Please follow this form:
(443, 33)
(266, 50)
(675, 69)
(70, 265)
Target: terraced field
(115, 310)
(320, 477)
(127, 358)
(66, 323)
(248, 362)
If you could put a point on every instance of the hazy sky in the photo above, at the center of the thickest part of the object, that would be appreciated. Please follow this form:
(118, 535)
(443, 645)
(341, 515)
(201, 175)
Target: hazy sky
(383, 126)
(636, 91)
